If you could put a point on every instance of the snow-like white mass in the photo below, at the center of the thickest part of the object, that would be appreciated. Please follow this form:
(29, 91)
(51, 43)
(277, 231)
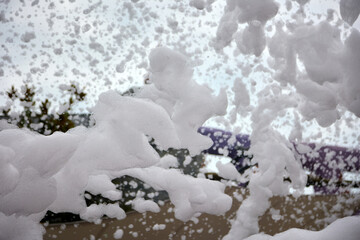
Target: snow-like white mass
(118, 234)
(268, 65)
(41, 169)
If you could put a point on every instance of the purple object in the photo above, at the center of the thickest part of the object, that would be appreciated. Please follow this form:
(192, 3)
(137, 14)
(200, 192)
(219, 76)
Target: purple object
(329, 161)
(223, 144)
(226, 145)
(324, 162)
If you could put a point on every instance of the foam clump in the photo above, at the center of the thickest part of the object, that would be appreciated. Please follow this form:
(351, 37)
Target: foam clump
(228, 171)
(190, 195)
(118, 234)
(18, 228)
(141, 205)
(94, 212)
(52, 172)
(9, 175)
(329, 76)
(101, 184)
(329, 79)
(188, 103)
(28, 36)
(255, 13)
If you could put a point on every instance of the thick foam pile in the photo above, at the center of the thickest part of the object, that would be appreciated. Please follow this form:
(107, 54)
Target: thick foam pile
(52, 172)
(278, 58)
